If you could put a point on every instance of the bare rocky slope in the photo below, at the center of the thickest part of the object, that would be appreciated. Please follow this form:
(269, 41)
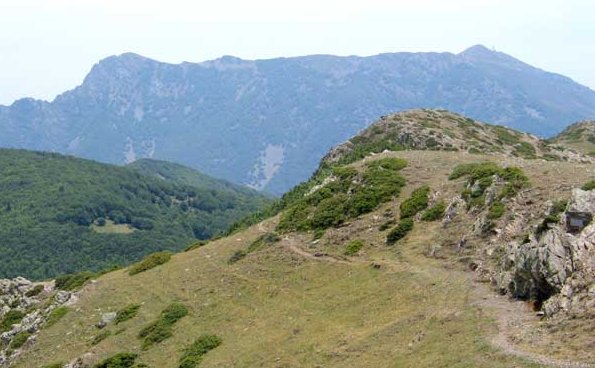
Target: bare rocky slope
(427, 231)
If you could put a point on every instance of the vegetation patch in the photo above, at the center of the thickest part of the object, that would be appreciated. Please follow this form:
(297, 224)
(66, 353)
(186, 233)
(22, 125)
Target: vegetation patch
(418, 201)
(100, 337)
(480, 178)
(399, 232)
(120, 360)
(161, 329)
(37, 289)
(126, 313)
(194, 353)
(53, 365)
(19, 340)
(344, 195)
(496, 210)
(434, 213)
(55, 316)
(589, 185)
(386, 225)
(12, 317)
(262, 241)
(353, 247)
(149, 262)
(74, 281)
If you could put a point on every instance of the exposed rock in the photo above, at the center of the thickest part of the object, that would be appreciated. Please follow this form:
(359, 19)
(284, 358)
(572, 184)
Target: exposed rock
(20, 294)
(453, 208)
(556, 267)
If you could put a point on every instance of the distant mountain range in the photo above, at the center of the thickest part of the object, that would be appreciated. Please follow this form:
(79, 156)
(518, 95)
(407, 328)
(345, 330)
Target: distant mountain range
(61, 214)
(265, 123)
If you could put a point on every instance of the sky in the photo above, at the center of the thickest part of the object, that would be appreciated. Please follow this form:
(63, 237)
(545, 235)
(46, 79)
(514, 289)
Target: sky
(48, 46)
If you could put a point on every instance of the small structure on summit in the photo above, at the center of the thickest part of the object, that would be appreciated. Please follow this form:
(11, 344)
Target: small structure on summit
(580, 211)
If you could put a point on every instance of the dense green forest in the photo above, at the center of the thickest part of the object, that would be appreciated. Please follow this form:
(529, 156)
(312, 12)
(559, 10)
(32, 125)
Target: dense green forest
(61, 214)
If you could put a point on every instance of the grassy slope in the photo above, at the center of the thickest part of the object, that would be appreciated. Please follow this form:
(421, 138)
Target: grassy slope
(49, 201)
(279, 309)
(579, 136)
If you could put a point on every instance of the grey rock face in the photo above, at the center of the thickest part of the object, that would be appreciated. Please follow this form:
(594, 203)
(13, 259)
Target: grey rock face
(266, 123)
(556, 267)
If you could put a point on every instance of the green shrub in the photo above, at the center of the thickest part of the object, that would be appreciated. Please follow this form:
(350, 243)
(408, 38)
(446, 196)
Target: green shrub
(127, 313)
(54, 365)
(589, 185)
(196, 245)
(482, 173)
(120, 360)
(417, 202)
(353, 247)
(35, 291)
(525, 150)
(496, 210)
(55, 316)
(399, 232)
(193, 354)
(386, 225)
(12, 317)
(73, 281)
(19, 340)
(349, 195)
(237, 256)
(100, 337)
(318, 233)
(545, 224)
(161, 329)
(151, 261)
(436, 212)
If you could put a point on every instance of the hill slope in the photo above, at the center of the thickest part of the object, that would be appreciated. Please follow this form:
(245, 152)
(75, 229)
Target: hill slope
(61, 214)
(338, 280)
(579, 136)
(265, 123)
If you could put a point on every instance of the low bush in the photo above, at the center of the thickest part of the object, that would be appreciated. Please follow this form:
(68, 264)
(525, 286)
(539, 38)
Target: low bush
(434, 213)
(238, 255)
(386, 225)
(55, 316)
(149, 262)
(120, 360)
(74, 281)
(418, 201)
(589, 185)
(100, 337)
(196, 245)
(193, 354)
(161, 329)
(349, 195)
(53, 365)
(353, 247)
(127, 313)
(496, 210)
(19, 340)
(37, 289)
(12, 317)
(399, 232)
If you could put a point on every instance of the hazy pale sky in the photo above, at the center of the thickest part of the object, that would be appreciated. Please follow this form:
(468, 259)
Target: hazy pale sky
(48, 46)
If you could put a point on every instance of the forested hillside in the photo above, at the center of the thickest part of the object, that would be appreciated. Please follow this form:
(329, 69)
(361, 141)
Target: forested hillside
(61, 214)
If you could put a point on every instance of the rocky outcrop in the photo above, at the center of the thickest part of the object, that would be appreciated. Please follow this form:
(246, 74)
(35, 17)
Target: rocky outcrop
(24, 308)
(555, 265)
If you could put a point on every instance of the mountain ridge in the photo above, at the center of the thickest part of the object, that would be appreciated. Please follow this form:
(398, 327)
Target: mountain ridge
(264, 122)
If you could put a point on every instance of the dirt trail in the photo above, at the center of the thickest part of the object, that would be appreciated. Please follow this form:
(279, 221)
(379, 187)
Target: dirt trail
(291, 244)
(512, 317)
